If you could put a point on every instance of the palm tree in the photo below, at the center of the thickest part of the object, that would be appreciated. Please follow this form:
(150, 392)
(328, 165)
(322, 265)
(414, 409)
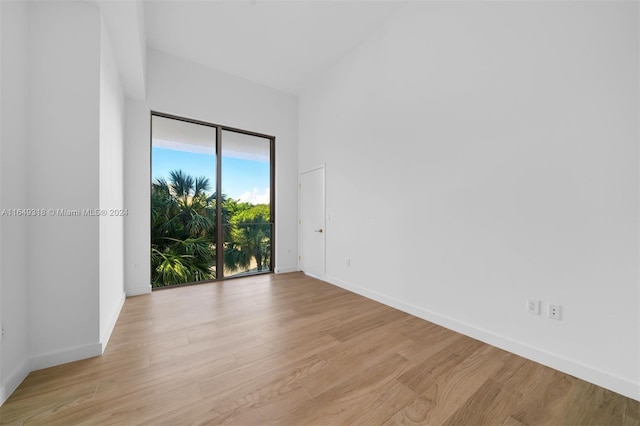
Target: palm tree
(183, 230)
(250, 238)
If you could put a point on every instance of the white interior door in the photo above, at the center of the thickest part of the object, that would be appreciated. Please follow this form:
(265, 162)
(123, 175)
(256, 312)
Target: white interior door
(311, 226)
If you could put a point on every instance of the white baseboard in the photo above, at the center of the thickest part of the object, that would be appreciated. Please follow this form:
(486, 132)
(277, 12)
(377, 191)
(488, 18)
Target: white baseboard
(60, 357)
(13, 380)
(286, 269)
(64, 356)
(106, 335)
(44, 361)
(325, 279)
(132, 290)
(621, 385)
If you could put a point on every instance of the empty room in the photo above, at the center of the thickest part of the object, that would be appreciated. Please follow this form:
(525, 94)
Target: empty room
(320, 212)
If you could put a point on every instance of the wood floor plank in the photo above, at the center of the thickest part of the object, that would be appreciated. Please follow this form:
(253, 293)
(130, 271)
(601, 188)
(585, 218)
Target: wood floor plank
(523, 375)
(390, 399)
(545, 400)
(346, 402)
(631, 415)
(364, 323)
(605, 406)
(120, 410)
(245, 375)
(261, 409)
(425, 374)
(452, 390)
(436, 340)
(490, 404)
(290, 349)
(57, 379)
(349, 362)
(226, 347)
(328, 317)
(559, 397)
(510, 421)
(43, 406)
(385, 335)
(161, 376)
(417, 329)
(413, 413)
(226, 399)
(148, 346)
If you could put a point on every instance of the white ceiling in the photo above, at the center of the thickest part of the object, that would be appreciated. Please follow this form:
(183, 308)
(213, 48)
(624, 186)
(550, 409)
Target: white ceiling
(281, 44)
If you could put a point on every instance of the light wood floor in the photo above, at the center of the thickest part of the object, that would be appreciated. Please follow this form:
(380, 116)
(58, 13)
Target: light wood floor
(292, 350)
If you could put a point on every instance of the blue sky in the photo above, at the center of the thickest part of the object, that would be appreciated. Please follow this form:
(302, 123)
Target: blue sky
(241, 179)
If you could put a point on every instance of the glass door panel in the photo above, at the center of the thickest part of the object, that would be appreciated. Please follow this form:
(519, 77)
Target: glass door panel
(183, 202)
(247, 212)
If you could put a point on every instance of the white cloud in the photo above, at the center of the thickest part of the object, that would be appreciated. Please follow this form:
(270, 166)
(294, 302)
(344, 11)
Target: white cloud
(256, 197)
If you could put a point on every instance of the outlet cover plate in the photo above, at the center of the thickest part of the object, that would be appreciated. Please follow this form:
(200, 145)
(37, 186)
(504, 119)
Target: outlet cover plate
(555, 312)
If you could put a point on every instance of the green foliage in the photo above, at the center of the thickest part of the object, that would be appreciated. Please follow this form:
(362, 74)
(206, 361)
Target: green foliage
(235, 206)
(251, 237)
(182, 262)
(184, 231)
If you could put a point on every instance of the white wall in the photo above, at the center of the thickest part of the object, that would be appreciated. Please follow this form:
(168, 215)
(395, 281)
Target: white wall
(13, 195)
(61, 276)
(2, 386)
(111, 190)
(64, 123)
(481, 154)
(124, 22)
(183, 88)
(137, 172)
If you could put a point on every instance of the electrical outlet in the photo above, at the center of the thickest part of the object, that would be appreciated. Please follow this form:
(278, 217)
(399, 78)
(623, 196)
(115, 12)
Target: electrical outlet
(1, 333)
(348, 262)
(533, 306)
(555, 311)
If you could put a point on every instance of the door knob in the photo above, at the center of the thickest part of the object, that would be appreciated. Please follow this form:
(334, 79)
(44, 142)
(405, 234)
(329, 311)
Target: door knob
(318, 230)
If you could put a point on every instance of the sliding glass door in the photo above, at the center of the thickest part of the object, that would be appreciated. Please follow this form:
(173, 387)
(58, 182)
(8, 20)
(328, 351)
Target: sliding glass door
(211, 201)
